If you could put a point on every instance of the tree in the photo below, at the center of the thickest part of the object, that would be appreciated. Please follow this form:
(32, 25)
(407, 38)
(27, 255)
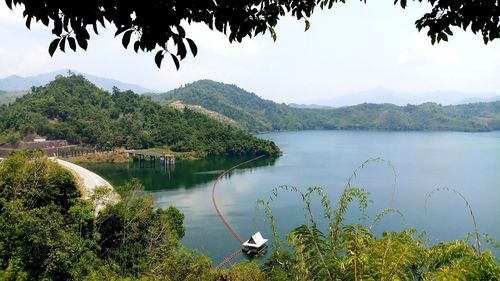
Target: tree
(156, 25)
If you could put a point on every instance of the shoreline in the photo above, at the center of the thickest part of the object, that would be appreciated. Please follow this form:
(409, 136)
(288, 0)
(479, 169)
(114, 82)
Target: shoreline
(376, 130)
(121, 156)
(100, 157)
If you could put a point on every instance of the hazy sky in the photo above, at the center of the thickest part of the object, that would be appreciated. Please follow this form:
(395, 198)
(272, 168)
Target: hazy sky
(353, 47)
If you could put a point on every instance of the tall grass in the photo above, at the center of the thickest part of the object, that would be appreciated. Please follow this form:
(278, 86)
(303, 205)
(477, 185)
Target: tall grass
(352, 252)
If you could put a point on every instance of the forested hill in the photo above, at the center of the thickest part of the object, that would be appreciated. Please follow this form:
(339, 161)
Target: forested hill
(252, 112)
(72, 108)
(257, 115)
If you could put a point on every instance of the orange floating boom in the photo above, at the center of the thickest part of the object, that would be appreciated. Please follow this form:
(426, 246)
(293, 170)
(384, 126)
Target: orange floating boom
(215, 203)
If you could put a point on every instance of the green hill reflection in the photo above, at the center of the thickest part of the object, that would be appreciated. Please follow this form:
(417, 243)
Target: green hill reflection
(184, 174)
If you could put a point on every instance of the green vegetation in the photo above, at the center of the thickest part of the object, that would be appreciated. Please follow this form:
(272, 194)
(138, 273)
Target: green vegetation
(258, 115)
(253, 113)
(47, 232)
(72, 108)
(115, 156)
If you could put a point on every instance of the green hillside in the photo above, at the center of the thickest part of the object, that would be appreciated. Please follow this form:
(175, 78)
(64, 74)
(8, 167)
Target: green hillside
(252, 112)
(258, 115)
(72, 108)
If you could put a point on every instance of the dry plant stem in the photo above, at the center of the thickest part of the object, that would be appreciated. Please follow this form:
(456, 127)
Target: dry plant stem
(385, 212)
(345, 197)
(476, 232)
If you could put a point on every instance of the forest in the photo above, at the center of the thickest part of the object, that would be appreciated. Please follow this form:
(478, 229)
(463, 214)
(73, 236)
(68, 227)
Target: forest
(258, 115)
(72, 108)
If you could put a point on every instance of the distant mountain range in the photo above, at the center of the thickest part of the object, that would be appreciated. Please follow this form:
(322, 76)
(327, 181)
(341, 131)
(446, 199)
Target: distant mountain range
(382, 95)
(310, 106)
(15, 83)
(258, 115)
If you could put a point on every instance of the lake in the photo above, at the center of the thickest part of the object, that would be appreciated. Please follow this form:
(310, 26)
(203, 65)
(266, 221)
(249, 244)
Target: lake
(424, 161)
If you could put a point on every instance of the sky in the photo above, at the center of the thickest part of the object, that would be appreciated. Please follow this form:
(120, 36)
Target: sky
(350, 48)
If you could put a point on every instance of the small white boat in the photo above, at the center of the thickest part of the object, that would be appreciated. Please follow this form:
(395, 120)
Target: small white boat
(254, 245)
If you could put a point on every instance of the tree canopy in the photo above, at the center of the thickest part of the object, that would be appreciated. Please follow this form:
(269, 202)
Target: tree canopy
(158, 25)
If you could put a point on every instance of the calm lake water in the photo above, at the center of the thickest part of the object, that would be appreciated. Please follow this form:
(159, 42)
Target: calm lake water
(424, 161)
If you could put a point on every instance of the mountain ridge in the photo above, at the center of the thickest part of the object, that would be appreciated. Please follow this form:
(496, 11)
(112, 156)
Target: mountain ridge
(382, 95)
(259, 115)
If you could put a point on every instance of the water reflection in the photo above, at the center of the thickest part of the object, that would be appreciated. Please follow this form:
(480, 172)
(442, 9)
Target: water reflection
(183, 174)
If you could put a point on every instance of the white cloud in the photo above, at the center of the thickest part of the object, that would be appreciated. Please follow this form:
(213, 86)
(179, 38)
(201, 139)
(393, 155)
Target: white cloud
(405, 57)
(33, 61)
(219, 43)
(8, 16)
(418, 49)
(463, 64)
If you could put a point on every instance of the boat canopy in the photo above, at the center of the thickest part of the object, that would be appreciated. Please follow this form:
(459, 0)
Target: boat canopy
(255, 241)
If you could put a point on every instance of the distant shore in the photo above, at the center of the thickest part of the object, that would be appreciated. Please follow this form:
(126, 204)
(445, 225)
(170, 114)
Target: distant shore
(117, 156)
(121, 156)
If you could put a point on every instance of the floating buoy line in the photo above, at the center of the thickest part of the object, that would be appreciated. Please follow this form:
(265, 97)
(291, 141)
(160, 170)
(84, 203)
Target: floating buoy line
(221, 216)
